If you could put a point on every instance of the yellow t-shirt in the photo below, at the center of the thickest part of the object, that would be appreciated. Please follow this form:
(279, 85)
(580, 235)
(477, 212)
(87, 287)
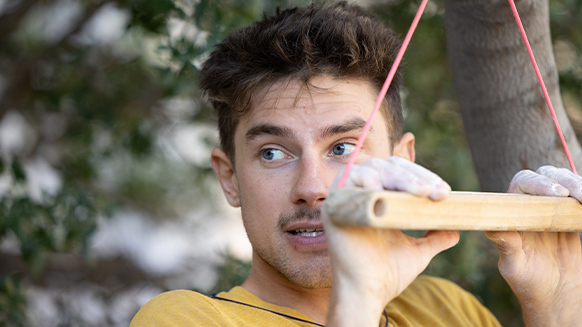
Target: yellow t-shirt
(429, 301)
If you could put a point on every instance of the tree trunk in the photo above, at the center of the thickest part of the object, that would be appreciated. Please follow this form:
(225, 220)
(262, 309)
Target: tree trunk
(506, 119)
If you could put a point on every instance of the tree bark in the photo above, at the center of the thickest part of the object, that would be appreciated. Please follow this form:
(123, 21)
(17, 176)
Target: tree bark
(507, 122)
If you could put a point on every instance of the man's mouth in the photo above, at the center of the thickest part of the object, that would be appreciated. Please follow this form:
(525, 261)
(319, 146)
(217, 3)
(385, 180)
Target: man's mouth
(307, 232)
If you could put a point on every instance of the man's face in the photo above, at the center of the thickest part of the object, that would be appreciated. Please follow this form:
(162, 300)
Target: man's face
(289, 148)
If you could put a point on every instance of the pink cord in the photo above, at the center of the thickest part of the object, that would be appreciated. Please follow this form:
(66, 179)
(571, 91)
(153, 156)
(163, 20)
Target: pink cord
(382, 94)
(546, 95)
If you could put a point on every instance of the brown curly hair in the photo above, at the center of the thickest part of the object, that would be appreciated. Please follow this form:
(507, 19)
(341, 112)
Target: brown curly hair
(340, 40)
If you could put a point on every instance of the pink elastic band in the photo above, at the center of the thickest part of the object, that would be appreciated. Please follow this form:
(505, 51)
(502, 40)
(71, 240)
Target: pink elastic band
(546, 95)
(382, 94)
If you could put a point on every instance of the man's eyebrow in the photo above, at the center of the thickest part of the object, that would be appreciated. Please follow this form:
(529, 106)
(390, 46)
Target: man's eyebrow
(268, 129)
(355, 123)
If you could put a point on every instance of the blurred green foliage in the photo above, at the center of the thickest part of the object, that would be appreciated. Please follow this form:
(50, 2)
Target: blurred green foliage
(97, 108)
(233, 272)
(12, 302)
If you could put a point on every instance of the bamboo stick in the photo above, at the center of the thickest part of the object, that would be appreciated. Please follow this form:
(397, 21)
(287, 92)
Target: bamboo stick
(461, 211)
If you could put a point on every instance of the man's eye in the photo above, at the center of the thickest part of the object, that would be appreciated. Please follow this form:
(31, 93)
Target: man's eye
(342, 149)
(273, 154)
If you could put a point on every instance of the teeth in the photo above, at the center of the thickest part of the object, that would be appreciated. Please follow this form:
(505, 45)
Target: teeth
(308, 232)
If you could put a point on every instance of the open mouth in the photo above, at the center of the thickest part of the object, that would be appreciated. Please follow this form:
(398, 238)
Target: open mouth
(307, 232)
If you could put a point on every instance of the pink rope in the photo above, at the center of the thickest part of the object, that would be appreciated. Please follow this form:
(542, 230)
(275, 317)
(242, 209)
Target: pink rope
(382, 94)
(546, 95)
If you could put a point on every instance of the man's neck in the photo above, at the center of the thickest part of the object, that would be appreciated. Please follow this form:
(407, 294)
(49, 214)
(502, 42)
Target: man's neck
(270, 286)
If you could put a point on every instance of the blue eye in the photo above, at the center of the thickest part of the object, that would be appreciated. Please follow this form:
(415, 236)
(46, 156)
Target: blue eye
(272, 154)
(342, 149)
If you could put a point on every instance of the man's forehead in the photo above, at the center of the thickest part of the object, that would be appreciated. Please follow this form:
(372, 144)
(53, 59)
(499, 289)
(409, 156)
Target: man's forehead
(296, 93)
(289, 94)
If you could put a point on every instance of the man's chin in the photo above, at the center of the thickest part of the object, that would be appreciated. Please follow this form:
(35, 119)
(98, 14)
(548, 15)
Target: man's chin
(314, 277)
(312, 284)
(307, 270)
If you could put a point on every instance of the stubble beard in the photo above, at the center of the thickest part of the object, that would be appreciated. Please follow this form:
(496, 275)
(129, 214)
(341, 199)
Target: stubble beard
(308, 274)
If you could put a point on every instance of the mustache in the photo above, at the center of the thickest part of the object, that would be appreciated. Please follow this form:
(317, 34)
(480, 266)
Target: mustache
(298, 215)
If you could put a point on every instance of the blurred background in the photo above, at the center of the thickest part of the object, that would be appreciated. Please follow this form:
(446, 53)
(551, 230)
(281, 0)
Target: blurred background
(106, 193)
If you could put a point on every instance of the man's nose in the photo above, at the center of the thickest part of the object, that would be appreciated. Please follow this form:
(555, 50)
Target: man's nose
(311, 184)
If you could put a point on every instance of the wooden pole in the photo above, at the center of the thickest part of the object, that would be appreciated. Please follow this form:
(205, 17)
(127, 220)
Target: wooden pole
(461, 211)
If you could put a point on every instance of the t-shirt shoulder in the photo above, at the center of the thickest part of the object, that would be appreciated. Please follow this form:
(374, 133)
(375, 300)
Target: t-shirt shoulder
(178, 308)
(237, 307)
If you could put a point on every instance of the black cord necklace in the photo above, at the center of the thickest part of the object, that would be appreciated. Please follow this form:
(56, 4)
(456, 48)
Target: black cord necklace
(278, 313)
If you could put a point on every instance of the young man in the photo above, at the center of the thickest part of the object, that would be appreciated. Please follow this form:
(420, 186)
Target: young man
(292, 94)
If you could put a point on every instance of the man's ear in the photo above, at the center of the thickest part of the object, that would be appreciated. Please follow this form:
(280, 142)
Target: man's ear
(224, 170)
(405, 147)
